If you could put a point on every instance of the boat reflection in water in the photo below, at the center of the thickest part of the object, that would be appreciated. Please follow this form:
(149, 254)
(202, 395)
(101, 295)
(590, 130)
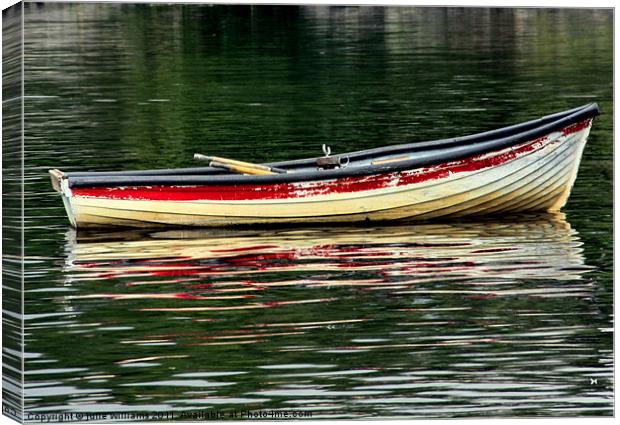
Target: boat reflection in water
(424, 320)
(484, 258)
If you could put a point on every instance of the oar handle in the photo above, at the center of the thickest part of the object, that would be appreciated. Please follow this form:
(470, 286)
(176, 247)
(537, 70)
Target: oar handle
(201, 157)
(235, 162)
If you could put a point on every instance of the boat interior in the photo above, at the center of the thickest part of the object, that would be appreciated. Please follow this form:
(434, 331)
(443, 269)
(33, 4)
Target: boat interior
(365, 162)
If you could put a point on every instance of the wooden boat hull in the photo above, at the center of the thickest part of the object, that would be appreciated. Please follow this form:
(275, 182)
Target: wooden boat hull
(534, 175)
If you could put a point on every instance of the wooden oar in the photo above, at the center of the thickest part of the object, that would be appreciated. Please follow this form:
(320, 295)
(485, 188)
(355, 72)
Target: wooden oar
(387, 161)
(239, 168)
(233, 164)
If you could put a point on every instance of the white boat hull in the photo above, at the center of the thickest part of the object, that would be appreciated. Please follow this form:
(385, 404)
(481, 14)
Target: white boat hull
(534, 176)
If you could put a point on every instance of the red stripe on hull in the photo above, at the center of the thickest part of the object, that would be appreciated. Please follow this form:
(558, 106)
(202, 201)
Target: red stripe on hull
(248, 192)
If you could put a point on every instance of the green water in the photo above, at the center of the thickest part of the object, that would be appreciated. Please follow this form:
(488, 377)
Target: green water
(503, 317)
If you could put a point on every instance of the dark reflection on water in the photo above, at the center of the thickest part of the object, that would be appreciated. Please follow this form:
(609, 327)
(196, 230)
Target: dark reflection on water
(501, 317)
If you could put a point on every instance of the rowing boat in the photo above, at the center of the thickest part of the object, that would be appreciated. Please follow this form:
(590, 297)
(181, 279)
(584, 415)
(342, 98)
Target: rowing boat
(525, 167)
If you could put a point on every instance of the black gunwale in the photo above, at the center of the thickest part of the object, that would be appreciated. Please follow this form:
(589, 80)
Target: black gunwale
(444, 150)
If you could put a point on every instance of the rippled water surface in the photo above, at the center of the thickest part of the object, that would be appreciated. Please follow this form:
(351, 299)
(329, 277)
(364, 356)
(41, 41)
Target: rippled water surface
(510, 316)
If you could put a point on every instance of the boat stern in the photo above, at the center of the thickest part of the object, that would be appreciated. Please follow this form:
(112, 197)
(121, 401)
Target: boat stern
(60, 183)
